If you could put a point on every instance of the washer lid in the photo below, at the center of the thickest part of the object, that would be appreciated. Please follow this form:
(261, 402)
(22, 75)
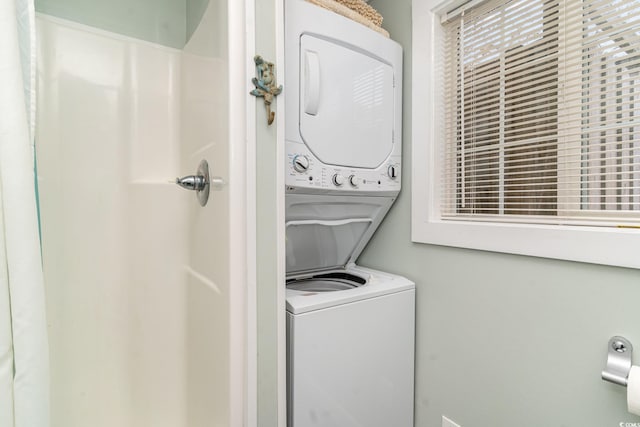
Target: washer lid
(328, 232)
(320, 244)
(346, 103)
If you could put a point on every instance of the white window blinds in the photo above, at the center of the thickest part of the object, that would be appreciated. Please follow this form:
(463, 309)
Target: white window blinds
(543, 113)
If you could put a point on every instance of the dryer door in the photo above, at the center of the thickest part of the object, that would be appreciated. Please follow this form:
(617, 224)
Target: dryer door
(346, 104)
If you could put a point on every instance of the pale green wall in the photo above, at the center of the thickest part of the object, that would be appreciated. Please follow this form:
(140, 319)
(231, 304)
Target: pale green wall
(267, 278)
(195, 10)
(158, 21)
(504, 340)
(167, 22)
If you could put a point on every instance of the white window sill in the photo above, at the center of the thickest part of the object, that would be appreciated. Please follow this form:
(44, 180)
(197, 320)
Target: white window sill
(598, 245)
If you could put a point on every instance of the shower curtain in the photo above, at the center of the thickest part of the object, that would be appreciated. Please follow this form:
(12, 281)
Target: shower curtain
(24, 359)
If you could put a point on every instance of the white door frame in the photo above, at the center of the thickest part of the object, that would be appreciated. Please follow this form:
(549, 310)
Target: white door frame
(251, 395)
(242, 198)
(242, 45)
(242, 183)
(281, 232)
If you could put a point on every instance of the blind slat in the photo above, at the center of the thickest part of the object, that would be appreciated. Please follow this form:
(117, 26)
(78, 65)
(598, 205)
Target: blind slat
(542, 117)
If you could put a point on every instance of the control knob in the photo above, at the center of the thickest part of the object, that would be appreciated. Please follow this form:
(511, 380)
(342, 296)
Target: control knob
(338, 180)
(353, 181)
(301, 163)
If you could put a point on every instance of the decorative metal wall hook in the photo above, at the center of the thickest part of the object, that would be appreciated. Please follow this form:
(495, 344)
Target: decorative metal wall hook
(266, 86)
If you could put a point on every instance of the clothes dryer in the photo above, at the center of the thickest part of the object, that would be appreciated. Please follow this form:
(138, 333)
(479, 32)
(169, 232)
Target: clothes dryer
(343, 104)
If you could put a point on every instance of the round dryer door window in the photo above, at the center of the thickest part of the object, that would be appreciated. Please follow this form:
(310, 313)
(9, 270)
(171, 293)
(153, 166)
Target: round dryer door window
(346, 104)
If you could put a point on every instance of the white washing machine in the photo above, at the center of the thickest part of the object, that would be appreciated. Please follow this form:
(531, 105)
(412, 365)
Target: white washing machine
(350, 330)
(350, 350)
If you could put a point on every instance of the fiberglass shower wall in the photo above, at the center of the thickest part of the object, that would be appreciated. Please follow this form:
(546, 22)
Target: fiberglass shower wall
(129, 319)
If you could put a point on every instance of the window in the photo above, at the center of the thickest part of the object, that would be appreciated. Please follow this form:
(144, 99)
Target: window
(533, 127)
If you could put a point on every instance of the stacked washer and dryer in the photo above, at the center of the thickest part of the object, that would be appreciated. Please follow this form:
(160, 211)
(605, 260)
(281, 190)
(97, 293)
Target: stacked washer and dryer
(350, 330)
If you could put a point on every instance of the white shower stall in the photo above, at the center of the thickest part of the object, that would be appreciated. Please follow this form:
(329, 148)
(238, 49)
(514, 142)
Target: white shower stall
(147, 292)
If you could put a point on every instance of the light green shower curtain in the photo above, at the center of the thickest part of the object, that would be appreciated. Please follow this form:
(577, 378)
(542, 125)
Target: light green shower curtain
(24, 366)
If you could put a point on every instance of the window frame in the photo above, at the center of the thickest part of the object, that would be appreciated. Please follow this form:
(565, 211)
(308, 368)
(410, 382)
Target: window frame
(615, 246)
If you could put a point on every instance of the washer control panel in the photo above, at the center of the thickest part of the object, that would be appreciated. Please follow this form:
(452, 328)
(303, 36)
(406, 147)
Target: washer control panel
(305, 171)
